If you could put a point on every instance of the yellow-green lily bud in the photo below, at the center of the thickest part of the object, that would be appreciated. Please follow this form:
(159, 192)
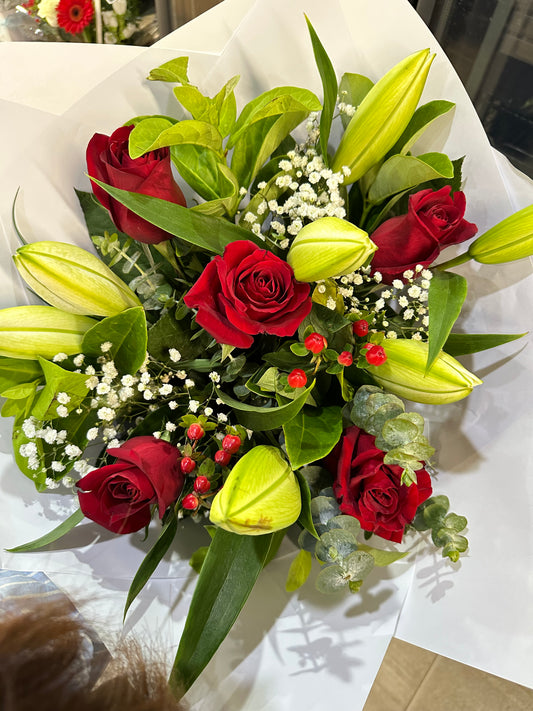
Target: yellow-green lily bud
(260, 495)
(32, 331)
(73, 279)
(403, 374)
(510, 239)
(382, 116)
(329, 247)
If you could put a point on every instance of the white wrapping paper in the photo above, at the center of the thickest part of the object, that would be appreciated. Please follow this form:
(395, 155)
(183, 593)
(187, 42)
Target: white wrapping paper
(305, 650)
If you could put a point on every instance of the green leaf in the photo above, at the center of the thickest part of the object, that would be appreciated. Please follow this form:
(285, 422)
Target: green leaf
(168, 333)
(322, 320)
(228, 189)
(228, 575)
(197, 559)
(465, 343)
(382, 558)
(352, 90)
(423, 117)
(331, 580)
(311, 434)
(152, 560)
(17, 371)
(58, 380)
(199, 166)
(127, 334)
(305, 519)
(329, 87)
(447, 292)
(151, 134)
(273, 102)
(209, 233)
(173, 71)
(54, 535)
(299, 571)
(400, 173)
(261, 419)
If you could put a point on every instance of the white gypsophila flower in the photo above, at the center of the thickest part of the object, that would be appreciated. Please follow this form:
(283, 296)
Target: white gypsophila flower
(89, 370)
(59, 357)
(262, 185)
(106, 413)
(165, 389)
(189, 383)
(57, 466)
(63, 398)
(28, 450)
(181, 374)
(219, 401)
(82, 466)
(250, 217)
(78, 360)
(172, 404)
(414, 291)
(156, 434)
(242, 191)
(148, 394)
(145, 378)
(391, 335)
(380, 303)
(378, 277)
(170, 427)
(331, 303)
(403, 301)
(113, 443)
(72, 450)
(174, 355)
(61, 436)
(262, 207)
(278, 227)
(221, 417)
(125, 394)
(425, 321)
(109, 370)
(62, 410)
(408, 314)
(102, 388)
(397, 284)
(51, 483)
(416, 336)
(33, 463)
(109, 432)
(91, 382)
(408, 274)
(106, 346)
(128, 380)
(113, 399)
(47, 9)
(214, 377)
(208, 411)
(427, 274)
(256, 229)
(50, 435)
(284, 243)
(68, 481)
(193, 405)
(28, 427)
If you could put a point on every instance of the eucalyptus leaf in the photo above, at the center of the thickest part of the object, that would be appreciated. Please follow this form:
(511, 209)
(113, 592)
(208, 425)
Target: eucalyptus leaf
(447, 293)
(323, 508)
(331, 579)
(336, 544)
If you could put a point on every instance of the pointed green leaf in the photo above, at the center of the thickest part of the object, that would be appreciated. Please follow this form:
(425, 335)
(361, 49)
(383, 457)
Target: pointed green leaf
(465, 343)
(311, 434)
(128, 337)
(261, 419)
(305, 519)
(227, 577)
(58, 380)
(173, 71)
(400, 173)
(151, 134)
(329, 87)
(352, 90)
(16, 371)
(54, 535)
(210, 233)
(299, 571)
(447, 293)
(423, 117)
(152, 560)
(382, 558)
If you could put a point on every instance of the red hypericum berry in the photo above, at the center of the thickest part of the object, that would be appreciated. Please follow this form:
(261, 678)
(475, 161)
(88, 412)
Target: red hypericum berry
(223, 458)
(345, 358)
(201, 484)
(190, 502)
(367, 346)
(360, 328)
(376, 355)
(188, 465)
(195, 431)
(231, 443)
(297, 379)
(315, 343)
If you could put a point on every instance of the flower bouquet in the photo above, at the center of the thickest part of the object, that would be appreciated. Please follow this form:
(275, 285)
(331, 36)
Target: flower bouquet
(283, 325)
(113, 22)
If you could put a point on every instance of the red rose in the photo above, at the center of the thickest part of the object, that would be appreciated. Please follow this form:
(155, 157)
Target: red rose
(108, 160)
(248, 291)
(370, 490)
(119, 496)
(434, 221)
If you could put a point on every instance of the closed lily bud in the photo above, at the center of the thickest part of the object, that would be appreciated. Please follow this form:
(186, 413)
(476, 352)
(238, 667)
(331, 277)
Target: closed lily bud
(73, 279)
(260, 495)
(382, 116)
(510, 239)
(403, 374)
(329, 247)
(32, 331)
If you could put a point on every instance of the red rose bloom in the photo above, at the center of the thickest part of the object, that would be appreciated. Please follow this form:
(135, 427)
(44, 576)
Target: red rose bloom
(370, 490)
(108, 160)
(73, 16)
(248, 291)
(434, 221)
(119, 496)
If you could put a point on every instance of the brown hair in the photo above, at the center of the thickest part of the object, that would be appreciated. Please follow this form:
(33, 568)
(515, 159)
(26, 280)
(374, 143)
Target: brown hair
(44, 665)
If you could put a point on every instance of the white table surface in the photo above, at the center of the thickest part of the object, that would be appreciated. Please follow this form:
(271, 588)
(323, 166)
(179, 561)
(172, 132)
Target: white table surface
(480, 611)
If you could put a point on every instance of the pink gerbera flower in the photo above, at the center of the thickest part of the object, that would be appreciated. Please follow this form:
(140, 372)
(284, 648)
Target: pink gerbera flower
(73, 16)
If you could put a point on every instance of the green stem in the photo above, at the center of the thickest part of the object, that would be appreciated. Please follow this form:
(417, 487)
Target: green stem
(461, 259)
